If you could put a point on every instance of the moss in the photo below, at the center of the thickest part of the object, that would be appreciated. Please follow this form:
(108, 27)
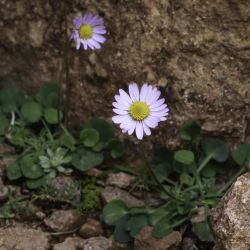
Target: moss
(91, 197)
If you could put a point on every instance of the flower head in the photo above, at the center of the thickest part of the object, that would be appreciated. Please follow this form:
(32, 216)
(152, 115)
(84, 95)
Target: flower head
(88, 31)
(139, 110)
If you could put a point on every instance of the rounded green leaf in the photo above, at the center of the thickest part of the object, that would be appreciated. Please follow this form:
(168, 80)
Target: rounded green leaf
(121, 234)
(32, 111)
(84, 159)
(117, 149)
(105, 130)
(89, 137)
(136, 223)
(215, 149)
(203, 231)
(29, 168)
(51, 116)
(184, 156)
(242, 154)
(186, 179)
(114, 211)
(48, 95)
(37, 183)
(68, 141)
(13, 171)
(190, 131)
(157, 215)
(162, 228)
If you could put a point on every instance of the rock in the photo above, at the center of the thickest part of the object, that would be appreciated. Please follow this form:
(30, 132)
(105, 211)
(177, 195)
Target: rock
(40, 215)
(94, 172)
(112, 193)
(188, 244)
(71, 243)
(121, 180)
(3, 191)
(200, 216)
(6, 149)
(91, 228)
(145, 241)
(196, 53)
(98, 243)
(21, 238)
(231, 218)
(64, 220)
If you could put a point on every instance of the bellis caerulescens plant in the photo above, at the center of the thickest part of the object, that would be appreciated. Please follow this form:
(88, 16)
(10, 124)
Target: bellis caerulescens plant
(88, 32)
(140, 110)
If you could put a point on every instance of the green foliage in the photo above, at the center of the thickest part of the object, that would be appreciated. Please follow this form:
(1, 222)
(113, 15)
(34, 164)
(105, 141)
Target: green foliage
(32, 111)
(89, 137)
(242, 154)
(51, 116)
(191, 131)
(184, 156)
(190, 180)
(91, 198)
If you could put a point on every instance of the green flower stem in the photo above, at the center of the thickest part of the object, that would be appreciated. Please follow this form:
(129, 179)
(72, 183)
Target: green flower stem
(204, 163)
(176, 224)
(144, 156)
(48, 131)
(198, 180)
(231, 180)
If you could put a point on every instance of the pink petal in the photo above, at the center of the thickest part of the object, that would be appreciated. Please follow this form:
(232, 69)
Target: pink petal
(155, 96)
(119, 106)
(99, 38)
(135, 90)
(131, 92)
(132, 129)
(122, 102)
(164, 106)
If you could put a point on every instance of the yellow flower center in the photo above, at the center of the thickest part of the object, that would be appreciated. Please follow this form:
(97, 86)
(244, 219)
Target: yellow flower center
(139, 110)
(85, 31)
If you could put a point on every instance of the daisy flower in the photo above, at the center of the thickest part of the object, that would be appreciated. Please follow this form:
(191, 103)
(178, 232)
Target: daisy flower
(88, 31)
(139, 110)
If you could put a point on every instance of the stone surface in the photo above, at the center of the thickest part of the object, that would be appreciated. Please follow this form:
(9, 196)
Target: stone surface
(71, 243)
(3, 191)
(200, 216)
(121, 180)
(64, 220)
(231, 219)
(22, 238)
(145, 241)
(4, 163)
(91, 228)
(112, 193)
(196, 51)
(98, 243)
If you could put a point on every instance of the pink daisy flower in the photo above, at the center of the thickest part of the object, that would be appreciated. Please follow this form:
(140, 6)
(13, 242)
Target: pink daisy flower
(88, 32)
(139, 110)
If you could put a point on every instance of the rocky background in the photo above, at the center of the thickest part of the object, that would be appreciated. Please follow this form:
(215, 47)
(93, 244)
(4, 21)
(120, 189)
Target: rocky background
(196, 51)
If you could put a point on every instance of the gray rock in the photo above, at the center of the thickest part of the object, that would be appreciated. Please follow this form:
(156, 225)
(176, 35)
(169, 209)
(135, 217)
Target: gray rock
(197, 53)
(22, 238)
(64, 220)
(231, 218)
(71, 243)
(98, 243)
(121, 180)
(145, 241)
(3, 191)
(91, 228)
(112, 193)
